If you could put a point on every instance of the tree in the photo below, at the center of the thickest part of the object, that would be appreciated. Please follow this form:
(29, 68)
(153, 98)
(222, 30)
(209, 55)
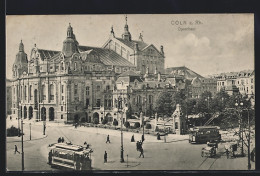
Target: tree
(115, 122)
(164, 103)
(127, 124)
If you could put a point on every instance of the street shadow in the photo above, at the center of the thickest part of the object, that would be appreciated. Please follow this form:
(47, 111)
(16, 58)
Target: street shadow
(132, 164)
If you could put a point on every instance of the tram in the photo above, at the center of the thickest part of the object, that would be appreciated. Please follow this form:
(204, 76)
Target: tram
(69, 156)
(204, 134)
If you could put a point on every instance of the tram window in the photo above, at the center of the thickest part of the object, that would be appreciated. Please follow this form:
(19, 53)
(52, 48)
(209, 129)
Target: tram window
(207, 132)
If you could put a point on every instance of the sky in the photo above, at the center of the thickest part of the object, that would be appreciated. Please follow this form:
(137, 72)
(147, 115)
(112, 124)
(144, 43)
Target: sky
(206, 43)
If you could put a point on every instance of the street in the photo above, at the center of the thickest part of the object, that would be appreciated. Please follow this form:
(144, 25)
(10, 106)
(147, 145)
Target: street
(175, 154)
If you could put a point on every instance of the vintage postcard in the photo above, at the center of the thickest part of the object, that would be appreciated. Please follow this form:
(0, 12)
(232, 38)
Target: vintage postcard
(130, 92)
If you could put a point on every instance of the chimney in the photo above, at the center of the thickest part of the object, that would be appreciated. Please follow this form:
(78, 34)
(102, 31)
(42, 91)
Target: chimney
(136, 48)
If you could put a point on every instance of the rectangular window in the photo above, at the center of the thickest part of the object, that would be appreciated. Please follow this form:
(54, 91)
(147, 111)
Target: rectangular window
(30, 91)
(52, 97)
(62, 97)
(61, 108)
(61, 116)
(87, 90)
(62, 88)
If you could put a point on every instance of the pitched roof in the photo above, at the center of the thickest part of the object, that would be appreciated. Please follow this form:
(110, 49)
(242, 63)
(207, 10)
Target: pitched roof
(131, 44)
(187, 73)
(108, 57)
(46, 54)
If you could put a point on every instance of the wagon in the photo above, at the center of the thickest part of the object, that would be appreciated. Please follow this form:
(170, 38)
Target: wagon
(208, 152)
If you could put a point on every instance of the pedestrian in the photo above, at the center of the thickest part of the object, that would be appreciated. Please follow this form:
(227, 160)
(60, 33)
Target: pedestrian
(108, 140)
(137, 145)
(62, 139)
(158, 136)
(16, 149)
(252, 157)
(10, 117)
(133, 139)
(59, 140)
(227, 153)
(105, 157)
(141, 152)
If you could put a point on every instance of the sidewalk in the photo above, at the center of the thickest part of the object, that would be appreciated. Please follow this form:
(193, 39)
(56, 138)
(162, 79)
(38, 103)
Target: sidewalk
(35, 132)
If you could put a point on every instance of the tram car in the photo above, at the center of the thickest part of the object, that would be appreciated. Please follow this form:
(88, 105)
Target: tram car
(69, 156)
(204, 134)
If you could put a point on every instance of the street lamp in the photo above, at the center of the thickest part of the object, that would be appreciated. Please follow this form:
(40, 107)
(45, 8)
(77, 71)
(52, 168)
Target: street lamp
(19, 114)
(30, 132)
(248, 151)
(142, 117)
(122, 145)
(22, 145)
(240, 123)
(44, 118)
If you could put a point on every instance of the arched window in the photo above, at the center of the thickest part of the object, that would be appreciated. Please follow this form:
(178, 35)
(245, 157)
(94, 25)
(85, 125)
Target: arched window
(51, 92)
(43, 92)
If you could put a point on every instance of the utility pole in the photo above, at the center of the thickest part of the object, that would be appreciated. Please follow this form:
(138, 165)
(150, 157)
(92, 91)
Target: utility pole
(122, 145)
(22, 145)
(248, 151)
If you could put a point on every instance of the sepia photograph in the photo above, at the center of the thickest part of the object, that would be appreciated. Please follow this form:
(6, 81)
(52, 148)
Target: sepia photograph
(116, 92)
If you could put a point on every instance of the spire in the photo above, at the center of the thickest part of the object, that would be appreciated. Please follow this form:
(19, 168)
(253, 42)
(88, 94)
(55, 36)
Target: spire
(21, 47)
(126, 35)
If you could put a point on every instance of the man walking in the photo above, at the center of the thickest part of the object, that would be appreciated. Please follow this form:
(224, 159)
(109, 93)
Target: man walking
(141, 152)
(108, 140)
(16, 149)
(105, 157)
